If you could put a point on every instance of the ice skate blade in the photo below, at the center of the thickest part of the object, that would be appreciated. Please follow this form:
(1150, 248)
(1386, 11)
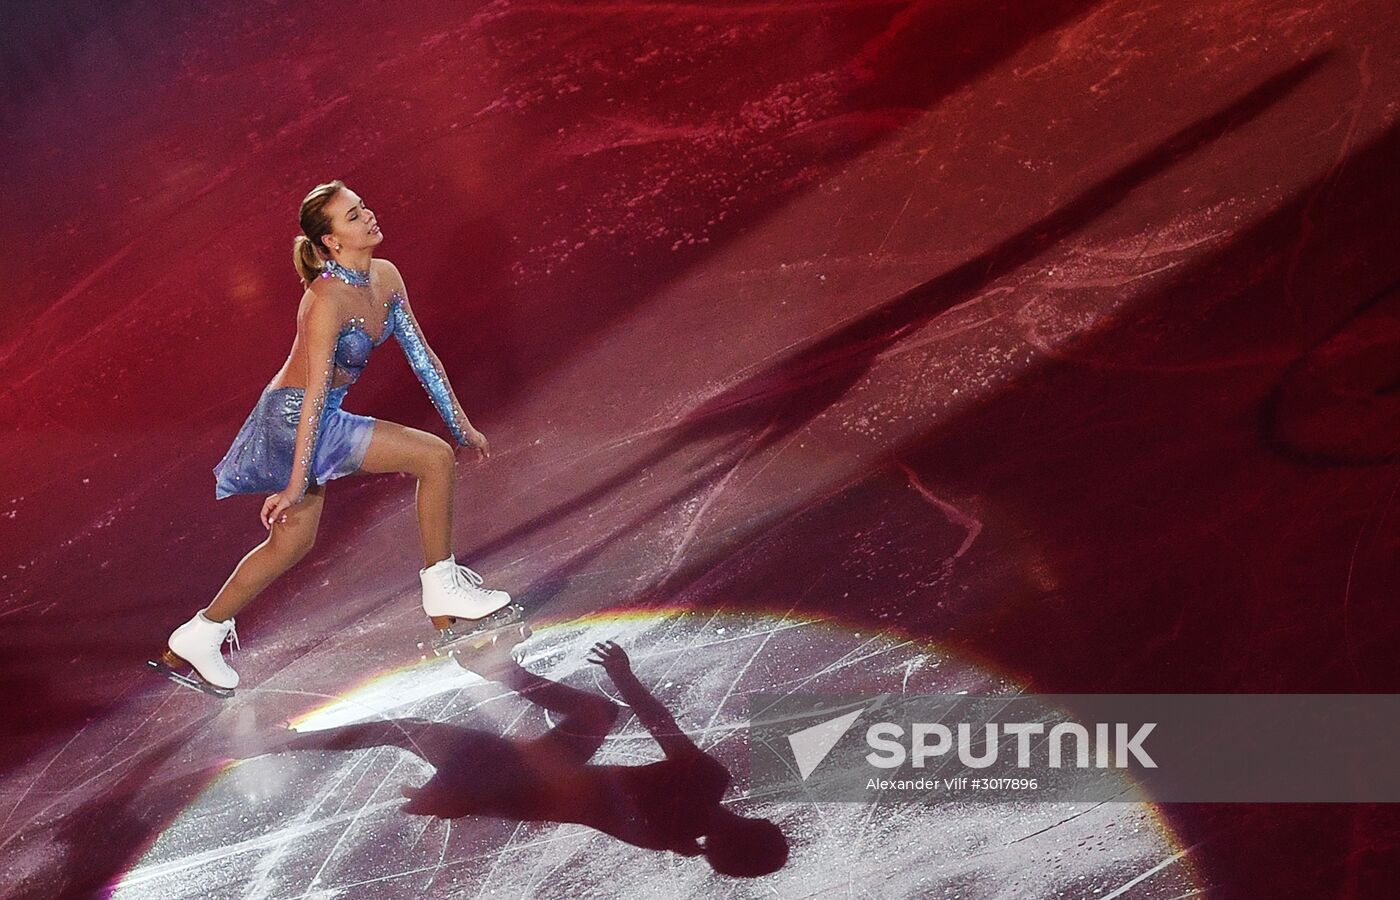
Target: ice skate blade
(194, 684)
(453, 628)
(502, 636)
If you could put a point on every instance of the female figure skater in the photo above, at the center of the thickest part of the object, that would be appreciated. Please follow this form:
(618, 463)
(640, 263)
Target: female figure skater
(352, 304)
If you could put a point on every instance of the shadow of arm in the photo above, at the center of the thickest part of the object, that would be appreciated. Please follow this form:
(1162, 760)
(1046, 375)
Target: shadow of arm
(389, 733)
(657, 719)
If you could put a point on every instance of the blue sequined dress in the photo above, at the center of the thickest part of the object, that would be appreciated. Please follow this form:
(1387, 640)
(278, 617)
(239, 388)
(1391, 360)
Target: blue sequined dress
(260, 460)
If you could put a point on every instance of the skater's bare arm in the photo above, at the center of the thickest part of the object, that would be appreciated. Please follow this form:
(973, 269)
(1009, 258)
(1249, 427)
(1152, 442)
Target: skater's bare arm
(652, 713)
(319, 327)
(429, 369)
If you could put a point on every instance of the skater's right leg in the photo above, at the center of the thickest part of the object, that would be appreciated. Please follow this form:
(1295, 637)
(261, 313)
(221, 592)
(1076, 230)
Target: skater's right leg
(284, 547)
(198, 643)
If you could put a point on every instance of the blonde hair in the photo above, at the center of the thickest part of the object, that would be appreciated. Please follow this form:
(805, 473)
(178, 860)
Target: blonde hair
(315, 224)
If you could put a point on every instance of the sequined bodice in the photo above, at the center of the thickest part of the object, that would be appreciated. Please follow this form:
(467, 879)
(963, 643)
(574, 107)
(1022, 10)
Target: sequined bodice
(354, 344)
(348, 358)
(353, 347)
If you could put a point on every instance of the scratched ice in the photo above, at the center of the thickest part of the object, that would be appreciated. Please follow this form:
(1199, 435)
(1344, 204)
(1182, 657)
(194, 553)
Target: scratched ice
(346, 834)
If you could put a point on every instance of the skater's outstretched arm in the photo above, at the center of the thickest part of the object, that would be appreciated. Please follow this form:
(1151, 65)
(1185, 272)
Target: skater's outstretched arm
(318, 327)
(429, 370)
(657, 719)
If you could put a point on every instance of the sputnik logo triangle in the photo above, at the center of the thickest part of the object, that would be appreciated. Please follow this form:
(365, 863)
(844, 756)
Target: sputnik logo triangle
(811, 745)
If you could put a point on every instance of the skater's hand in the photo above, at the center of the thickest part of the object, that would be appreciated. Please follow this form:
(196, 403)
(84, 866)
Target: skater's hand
(275, 505)
(611, 657)
(477, 441)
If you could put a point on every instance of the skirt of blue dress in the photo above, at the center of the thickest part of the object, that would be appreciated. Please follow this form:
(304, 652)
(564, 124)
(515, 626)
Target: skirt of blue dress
(260, 459)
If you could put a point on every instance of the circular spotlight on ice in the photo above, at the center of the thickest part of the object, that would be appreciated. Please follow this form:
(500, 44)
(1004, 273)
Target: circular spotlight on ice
(337, 826)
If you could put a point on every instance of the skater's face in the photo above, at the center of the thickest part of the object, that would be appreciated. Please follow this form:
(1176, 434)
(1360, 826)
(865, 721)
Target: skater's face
(354, 226)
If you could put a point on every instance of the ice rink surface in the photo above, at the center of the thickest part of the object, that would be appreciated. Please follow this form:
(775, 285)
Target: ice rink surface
(1000, 347)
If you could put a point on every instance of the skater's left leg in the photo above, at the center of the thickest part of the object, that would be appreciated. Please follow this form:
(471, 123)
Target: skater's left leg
(451, 591)
(428, 458)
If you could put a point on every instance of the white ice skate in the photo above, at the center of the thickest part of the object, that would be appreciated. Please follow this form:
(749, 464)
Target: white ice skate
(461, 609)
(198, 644)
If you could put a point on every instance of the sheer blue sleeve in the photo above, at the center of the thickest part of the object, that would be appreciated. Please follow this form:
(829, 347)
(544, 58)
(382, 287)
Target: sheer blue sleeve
(427, 367)
(319, 332)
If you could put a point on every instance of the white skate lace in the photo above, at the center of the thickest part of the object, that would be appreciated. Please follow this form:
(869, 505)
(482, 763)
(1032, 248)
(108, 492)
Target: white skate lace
(465, 578)
(232, 637)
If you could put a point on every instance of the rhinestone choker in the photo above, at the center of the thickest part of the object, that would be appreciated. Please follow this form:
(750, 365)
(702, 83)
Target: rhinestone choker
(345, 274)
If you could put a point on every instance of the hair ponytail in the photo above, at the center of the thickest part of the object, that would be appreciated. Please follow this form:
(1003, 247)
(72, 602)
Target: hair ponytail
(315, 224)
(308, 264)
